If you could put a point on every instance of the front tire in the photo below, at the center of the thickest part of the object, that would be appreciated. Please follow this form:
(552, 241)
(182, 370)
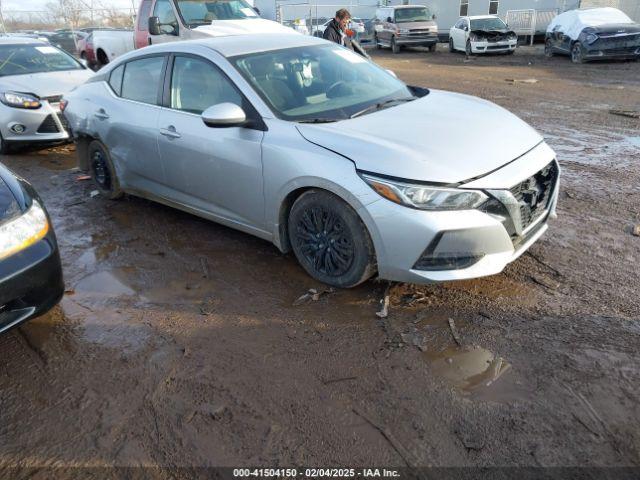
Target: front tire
(432, 48)
(576, 53)
(548, 49)
(395, 48)
(468, 50)
(103, 172)
(330, 241)
(452, 48)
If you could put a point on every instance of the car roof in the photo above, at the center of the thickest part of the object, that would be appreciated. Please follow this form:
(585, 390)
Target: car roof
(400, 7)
(234, 45)
(16, 40)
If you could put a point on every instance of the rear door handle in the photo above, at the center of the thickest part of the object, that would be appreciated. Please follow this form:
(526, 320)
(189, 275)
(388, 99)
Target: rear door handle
(101, 114)
(170, 132)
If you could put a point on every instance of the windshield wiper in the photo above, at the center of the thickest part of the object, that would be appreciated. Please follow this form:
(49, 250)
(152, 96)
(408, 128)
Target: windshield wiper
(381, 105)
(318, 120)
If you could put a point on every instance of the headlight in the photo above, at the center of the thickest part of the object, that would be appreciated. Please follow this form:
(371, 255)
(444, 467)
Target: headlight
(23, 231)
(403, 30)
(592, 38)
(425, 197)
(20, 100)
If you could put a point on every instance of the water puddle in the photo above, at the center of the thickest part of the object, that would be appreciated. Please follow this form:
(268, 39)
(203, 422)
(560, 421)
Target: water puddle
(107, 327)
(105, 284)
(634, 141)
(468, 368)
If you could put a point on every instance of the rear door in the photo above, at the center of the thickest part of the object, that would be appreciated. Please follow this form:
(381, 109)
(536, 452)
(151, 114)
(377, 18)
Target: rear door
(216, 170)
(128, 122)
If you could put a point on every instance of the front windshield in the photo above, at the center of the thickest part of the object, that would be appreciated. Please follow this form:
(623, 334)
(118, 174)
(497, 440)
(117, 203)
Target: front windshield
(417, 14)
(26, 59)
(321, 83)
(488, 24)
(202, 12)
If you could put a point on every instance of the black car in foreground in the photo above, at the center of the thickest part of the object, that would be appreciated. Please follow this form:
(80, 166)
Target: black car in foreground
(30, 270)
(593, 34)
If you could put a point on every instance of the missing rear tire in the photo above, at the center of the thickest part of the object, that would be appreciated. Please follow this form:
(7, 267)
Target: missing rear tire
(102, 170)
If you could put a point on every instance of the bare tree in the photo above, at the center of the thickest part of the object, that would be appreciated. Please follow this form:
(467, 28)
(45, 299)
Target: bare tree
(68, 12)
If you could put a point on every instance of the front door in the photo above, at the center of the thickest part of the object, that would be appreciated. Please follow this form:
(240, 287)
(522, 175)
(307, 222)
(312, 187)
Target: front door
(216, 170)
(163, 9)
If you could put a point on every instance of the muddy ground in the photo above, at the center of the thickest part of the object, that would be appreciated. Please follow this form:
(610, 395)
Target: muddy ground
(177, 342)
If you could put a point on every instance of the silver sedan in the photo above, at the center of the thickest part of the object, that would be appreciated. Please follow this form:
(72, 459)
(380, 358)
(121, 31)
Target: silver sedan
(306, 144)
(33, 77)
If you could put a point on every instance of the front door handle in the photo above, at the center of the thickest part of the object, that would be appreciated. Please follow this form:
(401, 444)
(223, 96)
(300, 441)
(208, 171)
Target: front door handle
(170, 132)
(101, 114)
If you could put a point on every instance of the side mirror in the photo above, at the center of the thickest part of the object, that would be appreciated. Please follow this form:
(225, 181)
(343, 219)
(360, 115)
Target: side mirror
(224, 115)
(154, 26)
(389, 20)
(466, 29)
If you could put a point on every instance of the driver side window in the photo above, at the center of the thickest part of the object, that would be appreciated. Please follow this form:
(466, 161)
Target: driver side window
(164, 11)
(197, 85)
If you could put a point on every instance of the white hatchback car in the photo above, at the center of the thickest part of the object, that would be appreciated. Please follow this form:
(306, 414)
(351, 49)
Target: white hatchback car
(312, 147)
(482, 34)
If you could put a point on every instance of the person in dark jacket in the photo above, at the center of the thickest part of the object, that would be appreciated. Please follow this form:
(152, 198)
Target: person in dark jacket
(335, 31)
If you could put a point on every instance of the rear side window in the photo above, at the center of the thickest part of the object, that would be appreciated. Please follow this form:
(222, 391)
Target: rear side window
(143, 16)
(141, 80)
(115, 79)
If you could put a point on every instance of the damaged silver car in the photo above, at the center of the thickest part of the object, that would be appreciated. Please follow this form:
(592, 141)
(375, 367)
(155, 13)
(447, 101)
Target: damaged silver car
(310, 146)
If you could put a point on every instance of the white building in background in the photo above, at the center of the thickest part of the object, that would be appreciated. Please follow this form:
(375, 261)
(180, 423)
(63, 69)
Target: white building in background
(447, 11)
(630, 7)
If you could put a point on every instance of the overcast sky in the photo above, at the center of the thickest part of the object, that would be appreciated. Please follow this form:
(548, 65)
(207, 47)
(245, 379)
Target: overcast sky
(23, 5)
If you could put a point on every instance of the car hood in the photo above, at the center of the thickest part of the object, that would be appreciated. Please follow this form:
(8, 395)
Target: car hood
(614, 29)
(45, 84)
(441, 138)
(219, 28)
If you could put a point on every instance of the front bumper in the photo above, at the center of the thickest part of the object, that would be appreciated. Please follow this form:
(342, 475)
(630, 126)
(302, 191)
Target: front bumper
(623, 53)
(45, 124)
(416, 40)
(30, 282)
(479, 242)
(489, 47)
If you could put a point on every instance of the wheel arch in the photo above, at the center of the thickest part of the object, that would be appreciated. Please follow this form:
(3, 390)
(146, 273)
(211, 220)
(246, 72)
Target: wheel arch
(293, 192)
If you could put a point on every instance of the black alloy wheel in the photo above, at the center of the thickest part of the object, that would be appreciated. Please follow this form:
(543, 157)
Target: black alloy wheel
(329, 240)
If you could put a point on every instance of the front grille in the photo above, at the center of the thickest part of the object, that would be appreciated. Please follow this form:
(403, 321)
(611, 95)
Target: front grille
(49, 125)
(63, 120)
(621, 51)
(535, 193)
